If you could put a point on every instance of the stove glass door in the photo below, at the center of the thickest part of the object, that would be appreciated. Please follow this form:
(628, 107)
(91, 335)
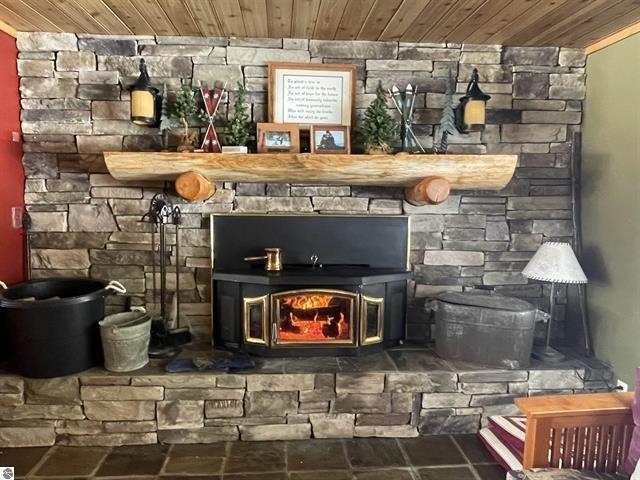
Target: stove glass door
(313, 317)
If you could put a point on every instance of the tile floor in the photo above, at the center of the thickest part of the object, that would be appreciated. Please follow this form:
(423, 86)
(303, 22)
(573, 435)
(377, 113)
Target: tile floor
(459, 457)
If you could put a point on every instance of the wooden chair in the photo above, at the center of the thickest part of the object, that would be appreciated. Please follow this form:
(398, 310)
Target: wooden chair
(586, 432)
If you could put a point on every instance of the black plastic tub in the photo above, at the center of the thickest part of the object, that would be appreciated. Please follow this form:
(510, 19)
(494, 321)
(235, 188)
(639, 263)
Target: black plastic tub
(52, 325)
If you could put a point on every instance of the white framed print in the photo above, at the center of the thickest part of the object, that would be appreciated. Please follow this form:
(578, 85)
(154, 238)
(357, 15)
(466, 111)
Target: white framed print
(311, 94)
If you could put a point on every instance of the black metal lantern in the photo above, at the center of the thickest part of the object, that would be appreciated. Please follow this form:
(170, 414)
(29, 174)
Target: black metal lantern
(145, 100)
(471, 111)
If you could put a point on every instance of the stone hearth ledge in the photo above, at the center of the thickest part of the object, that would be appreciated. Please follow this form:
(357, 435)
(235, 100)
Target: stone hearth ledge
(398, 393)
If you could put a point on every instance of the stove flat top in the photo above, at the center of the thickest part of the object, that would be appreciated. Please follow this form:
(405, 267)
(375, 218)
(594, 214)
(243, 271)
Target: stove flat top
(308, 275)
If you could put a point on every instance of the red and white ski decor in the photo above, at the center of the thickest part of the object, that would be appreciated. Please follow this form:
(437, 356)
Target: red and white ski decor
(211, 99)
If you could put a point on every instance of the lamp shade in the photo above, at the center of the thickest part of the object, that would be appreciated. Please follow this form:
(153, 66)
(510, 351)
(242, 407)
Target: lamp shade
(555, 262)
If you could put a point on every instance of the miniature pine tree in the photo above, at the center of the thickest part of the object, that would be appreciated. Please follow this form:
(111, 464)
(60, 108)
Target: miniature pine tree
(185, 108)
(165, 122)
(448, 118)
(378, 129)
(238, 131)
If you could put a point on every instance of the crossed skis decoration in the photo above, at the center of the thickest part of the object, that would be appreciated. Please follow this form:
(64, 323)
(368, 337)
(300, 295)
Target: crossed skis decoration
(405, 103)
(211, 99)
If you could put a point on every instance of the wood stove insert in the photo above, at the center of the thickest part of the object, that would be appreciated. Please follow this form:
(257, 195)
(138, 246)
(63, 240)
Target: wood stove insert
(354, 302)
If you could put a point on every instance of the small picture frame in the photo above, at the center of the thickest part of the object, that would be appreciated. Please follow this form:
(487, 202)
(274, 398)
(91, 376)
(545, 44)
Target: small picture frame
(330, 139)
(278, 138)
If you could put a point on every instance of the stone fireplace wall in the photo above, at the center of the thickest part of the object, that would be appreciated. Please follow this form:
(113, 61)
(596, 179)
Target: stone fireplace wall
(85, 223)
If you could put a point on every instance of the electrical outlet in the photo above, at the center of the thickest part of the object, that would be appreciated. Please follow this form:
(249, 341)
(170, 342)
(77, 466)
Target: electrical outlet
(622, 387)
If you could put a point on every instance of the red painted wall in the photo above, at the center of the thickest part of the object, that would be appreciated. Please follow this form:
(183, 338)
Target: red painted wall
(12, 255)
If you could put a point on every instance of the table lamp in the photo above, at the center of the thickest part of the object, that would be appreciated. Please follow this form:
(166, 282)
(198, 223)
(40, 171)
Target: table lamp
(554, 262)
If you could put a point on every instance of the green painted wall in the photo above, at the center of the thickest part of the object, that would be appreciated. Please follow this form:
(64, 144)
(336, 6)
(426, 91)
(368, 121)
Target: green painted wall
(611, 203)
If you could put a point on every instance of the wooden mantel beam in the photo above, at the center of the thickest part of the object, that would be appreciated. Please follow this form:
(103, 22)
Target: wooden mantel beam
(463, 172)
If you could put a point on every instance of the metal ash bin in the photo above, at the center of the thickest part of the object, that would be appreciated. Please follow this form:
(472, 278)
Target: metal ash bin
(486, 329)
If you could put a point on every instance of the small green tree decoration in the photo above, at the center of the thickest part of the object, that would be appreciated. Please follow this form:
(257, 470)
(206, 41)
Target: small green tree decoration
(378, 129)
(448, 118)
(185, 109)
(238, 131)
(166, 123)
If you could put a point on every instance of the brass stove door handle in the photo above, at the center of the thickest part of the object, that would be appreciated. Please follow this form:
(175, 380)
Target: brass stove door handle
(251, 259)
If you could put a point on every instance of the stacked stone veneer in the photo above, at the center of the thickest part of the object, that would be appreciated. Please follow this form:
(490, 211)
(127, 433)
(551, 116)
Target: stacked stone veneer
(202, 408)
(74, 107)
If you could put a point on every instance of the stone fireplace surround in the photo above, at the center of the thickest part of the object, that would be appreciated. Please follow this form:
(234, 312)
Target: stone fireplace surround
(85, 223)
(74, 107)
(402, 392)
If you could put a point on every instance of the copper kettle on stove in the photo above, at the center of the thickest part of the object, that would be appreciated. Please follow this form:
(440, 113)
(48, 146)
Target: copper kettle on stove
(273, 259)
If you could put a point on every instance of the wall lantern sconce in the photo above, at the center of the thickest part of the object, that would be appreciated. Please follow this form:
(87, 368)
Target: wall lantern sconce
(471, 111)
(146, 103)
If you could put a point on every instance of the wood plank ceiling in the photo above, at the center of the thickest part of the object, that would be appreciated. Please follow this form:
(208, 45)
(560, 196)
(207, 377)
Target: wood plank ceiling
(577, 23)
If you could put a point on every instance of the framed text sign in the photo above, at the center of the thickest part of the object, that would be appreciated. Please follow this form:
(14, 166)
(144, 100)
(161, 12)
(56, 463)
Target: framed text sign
(311, 94)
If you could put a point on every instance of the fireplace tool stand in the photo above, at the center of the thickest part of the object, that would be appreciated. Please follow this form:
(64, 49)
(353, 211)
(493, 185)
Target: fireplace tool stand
(166, 338)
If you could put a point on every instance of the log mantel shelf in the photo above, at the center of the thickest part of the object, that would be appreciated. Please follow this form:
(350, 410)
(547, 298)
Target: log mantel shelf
(463, 172)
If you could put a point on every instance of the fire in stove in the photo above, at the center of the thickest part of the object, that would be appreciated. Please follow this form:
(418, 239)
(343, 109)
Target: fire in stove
(314, 317)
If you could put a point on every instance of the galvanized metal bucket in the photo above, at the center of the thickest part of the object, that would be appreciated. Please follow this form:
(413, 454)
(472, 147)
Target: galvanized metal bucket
(125, 341)
(492, 330)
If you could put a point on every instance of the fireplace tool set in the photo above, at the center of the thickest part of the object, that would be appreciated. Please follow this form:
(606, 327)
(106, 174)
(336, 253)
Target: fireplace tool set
(166, 337)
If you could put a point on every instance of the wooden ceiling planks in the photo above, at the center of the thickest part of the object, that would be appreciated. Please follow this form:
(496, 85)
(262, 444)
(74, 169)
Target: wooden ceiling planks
(378, 18)
(611, 39)
(561, 17)
(618, 25)
(427, 19)
(279, 16)
(131, 17)
(304, 16)
(404, 16)
(564, 26)
(180, 17)
(230, 15)
(254, 14)
(509, 19)
(354, 16)
(155, 16)
(205, 17)
(79, 16)
(578, 23)
(27, 11)
(623, 10)
(102, 14)
(329, 17)
(55, 16)
(453, 17)
(478, 20)
(16, 21)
